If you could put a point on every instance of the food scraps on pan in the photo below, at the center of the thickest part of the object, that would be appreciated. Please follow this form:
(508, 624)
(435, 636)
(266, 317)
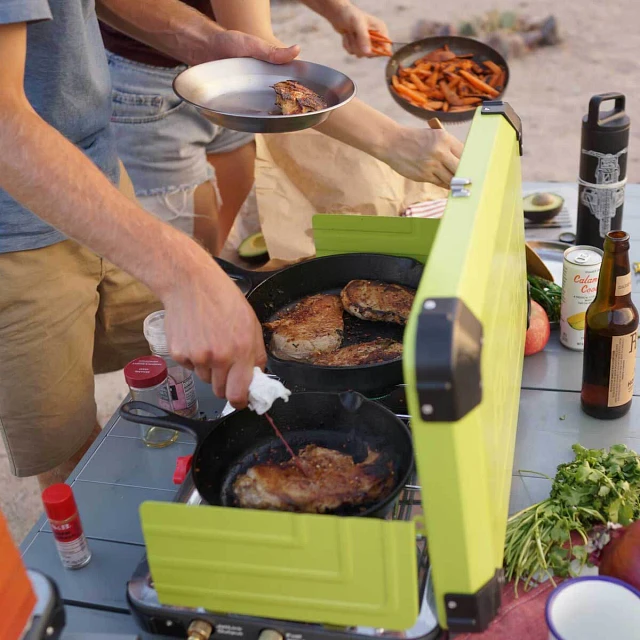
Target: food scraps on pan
(294, 98)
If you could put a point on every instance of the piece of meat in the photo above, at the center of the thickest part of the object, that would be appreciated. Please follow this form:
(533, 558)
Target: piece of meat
(333, 480)
(376, 351)
(294, 98)
(311, 327)
(378, 301)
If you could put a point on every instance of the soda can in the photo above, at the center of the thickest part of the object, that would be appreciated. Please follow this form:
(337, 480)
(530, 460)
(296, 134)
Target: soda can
(580, 272)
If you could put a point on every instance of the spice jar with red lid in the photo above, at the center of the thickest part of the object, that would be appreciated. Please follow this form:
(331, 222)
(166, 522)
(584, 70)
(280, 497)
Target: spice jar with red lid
(182, 386)
(60, 507)
(147, 378)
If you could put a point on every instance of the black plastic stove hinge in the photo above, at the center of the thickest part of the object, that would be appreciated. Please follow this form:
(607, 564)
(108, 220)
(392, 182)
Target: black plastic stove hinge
(474, 612)
(448, 360)
(491, 107)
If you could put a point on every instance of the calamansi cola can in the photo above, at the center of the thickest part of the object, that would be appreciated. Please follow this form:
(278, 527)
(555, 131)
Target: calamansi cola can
(580, 272)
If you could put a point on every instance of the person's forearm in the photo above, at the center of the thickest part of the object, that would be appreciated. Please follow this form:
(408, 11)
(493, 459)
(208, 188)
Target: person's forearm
(169, 26)
(46, 173)
(363, 127)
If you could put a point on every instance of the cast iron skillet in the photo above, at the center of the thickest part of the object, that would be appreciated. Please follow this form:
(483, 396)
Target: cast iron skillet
(460, 45)
(271, 291)
(346, 422)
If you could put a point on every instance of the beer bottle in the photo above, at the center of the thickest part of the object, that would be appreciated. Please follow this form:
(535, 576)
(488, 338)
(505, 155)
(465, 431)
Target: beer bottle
(610, 336)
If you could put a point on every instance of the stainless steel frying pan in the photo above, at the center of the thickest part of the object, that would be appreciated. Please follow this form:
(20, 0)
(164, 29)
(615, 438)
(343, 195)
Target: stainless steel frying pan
(237, 93)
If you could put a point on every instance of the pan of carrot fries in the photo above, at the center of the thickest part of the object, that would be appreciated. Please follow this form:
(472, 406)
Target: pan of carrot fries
(447, 77)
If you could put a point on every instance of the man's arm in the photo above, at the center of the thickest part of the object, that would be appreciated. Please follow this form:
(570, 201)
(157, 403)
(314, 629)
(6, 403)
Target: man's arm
(184, 33)
(209, 323)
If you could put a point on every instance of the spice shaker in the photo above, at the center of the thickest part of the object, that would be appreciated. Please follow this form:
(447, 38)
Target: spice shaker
(60, 507)
(182, 388)
(603, 170)
(148, 382)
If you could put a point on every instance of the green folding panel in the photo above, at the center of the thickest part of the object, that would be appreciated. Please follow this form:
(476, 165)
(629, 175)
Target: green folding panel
(311, 568)
(407, 237)
(465, 464)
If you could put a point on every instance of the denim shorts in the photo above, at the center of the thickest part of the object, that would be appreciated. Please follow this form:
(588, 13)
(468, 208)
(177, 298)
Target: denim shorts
(162, 141)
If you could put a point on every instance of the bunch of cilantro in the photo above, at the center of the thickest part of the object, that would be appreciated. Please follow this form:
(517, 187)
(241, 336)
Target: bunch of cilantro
(599, 486)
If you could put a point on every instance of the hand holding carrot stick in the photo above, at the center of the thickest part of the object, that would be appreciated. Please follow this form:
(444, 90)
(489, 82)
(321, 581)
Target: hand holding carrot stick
(380, 44)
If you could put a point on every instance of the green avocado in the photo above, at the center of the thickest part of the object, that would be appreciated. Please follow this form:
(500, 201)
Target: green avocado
(539, 207)
(254, 249)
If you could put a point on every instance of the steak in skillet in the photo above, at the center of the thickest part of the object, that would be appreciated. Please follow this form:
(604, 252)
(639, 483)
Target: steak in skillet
(311, 327)
(332, 480)
(378, 301)
(374, 352)
(294, 98)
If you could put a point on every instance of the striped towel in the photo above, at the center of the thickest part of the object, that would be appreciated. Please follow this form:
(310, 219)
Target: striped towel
(428, 209)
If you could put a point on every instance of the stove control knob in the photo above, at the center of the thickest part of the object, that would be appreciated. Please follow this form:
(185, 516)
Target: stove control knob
(270, 634)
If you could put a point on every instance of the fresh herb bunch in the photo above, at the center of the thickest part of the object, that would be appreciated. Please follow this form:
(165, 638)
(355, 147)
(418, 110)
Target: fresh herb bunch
(548, 295)
(599, 486)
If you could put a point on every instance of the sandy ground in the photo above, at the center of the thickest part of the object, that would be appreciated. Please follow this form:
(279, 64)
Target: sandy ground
(550, 91)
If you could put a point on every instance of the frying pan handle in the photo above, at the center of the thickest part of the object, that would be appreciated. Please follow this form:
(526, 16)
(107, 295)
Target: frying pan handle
(351, 401)
(159, 417)
(247, 280)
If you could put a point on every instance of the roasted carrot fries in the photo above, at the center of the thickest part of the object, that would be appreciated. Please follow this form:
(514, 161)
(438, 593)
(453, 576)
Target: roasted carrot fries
(444, 81)
(380, 45)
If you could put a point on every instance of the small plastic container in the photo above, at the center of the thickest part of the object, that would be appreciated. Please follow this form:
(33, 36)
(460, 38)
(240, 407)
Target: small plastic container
(182, 388)
(60, 507)
(148, 382)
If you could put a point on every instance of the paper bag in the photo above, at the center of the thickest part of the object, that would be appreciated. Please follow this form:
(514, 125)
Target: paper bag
(304, 173)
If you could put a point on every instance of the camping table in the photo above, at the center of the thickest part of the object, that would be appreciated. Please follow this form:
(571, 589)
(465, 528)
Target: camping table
(119, 472)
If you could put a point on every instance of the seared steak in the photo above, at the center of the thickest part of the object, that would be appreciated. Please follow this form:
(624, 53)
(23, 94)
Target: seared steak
(378, 350)
(378, 301)
(311, 327)
(333, 480)
(294, 98)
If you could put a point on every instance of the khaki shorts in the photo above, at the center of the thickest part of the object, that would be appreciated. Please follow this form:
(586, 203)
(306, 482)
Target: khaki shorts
(65, 313)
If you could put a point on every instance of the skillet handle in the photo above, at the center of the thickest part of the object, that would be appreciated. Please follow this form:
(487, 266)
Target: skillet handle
(247, 280)
(159, 417)
(351, 401)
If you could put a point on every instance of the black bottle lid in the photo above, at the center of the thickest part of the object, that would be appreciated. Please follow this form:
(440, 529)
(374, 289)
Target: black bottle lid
(612, 121)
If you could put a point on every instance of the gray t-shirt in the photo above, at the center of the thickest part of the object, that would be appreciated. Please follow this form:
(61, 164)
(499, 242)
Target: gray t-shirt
(67, 82)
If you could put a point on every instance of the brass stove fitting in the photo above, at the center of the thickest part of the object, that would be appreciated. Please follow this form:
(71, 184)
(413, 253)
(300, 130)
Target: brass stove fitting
(200, 630)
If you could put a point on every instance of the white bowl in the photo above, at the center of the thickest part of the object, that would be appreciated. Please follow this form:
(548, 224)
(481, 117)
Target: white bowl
(594, 608)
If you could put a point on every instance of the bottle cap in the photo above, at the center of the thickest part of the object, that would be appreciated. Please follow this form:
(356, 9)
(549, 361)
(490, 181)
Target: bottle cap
(145, 372)
(59, 503)
(154, 332)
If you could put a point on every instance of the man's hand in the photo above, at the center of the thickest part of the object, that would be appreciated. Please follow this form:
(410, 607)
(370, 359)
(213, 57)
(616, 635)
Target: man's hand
(354, 25)
(235, 44)
(212, 329)
(424, 155)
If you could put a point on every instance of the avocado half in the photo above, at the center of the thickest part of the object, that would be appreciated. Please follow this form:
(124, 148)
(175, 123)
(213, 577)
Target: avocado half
(540, 207)
(254, 249)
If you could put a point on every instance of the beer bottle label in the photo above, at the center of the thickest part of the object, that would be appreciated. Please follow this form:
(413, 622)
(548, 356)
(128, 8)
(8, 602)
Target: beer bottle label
(623, 285)
(623, 365)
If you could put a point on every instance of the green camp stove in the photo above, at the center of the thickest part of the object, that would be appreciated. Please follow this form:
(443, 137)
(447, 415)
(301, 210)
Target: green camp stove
(274, 576)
